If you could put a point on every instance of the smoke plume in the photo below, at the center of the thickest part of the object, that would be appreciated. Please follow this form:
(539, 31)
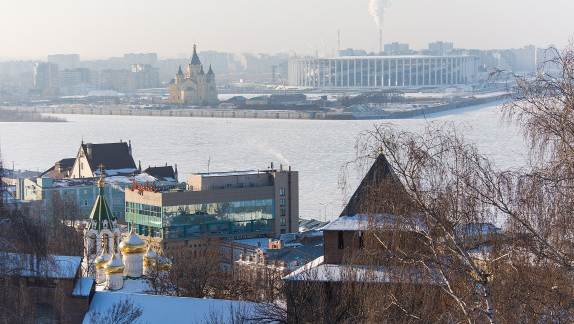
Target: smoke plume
(377, 10)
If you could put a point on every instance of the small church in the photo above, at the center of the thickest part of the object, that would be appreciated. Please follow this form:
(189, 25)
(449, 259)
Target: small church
(193, 86)
(108, 258)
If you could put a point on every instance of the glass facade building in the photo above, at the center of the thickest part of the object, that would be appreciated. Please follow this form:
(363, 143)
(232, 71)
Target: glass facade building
(230, 218)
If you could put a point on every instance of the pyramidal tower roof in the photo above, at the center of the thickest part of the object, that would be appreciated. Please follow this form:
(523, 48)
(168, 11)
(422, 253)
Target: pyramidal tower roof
(101, 212)
(380, 192)
(195, 59)
(210, 71)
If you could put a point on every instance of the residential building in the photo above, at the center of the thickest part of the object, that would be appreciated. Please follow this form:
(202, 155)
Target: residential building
(71, 182)
(76, 81)
(114, 158)
(230, 205)
(46, 78)
(440, 48)
(143, 76)
(65, 61)
(53, 195)
(115, 79)
(141, 58)
(397, 48)
(284, 254)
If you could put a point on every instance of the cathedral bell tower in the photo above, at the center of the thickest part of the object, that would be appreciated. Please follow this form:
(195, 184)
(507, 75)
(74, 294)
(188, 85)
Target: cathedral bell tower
(194, 68)
(101, 235)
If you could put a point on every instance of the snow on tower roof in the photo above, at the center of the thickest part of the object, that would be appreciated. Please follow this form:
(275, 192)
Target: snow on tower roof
(379, 221)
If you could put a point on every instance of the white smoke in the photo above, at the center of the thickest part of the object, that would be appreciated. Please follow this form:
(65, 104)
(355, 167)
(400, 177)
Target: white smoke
(377, 10)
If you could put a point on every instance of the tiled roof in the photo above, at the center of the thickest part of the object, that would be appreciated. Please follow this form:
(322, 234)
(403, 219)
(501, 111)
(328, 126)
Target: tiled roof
(112, 156)
(161, 172)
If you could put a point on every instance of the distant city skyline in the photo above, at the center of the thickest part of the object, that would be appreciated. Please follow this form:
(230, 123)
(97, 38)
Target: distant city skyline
(33, 29)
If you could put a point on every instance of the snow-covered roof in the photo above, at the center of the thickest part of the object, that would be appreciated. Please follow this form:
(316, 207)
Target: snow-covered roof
(169, 309)
(379, 221)
(261, 242)
(316, 270)
(83, 287)
(137, 286)
(26, 265)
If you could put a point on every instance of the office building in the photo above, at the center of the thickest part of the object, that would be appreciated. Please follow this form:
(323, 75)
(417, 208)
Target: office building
(235, 205)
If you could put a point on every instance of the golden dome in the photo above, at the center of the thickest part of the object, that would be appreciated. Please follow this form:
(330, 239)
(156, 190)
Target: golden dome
(150, 257)
(101, 260)
(132, 244)
(115, 265)
(164, 263)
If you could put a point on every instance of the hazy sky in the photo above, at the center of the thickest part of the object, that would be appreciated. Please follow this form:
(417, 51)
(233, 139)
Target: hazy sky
(103, 28)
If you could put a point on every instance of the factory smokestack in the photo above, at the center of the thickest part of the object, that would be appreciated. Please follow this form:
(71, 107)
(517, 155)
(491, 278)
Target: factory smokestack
(380, 41)
(338, 41)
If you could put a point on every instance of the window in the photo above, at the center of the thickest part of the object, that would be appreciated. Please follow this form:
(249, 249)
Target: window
(282, 192)
(361, 240)
(85, 202)
(282, 212)
(282, 202)
(283, 221)
(340, 241)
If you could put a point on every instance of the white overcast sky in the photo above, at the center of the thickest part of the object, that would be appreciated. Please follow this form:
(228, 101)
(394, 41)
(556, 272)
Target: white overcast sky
(103, 28)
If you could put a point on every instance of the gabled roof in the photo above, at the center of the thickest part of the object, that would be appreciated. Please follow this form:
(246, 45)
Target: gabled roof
(195, 59)
(380, 192)
(64, 164)
(161, 172)
(113, 156)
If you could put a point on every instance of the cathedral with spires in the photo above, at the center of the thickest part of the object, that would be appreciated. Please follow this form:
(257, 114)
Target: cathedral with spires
(193, 86)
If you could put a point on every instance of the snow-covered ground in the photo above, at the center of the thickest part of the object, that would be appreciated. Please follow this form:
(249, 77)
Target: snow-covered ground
(317, 149)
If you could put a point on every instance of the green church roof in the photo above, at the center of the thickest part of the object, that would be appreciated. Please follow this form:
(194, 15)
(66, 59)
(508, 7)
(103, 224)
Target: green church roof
(101, 211)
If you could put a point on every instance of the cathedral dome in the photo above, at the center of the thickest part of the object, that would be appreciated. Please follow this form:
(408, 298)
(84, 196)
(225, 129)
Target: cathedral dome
(132, 244)
(115, 266)
(150, 258)
(101, 260)
(164, 263)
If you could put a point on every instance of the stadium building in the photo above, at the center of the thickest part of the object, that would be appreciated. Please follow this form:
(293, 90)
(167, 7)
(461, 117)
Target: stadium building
(370, 72)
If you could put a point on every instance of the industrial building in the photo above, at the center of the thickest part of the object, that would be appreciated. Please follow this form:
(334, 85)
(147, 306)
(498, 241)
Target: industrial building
(371, 72)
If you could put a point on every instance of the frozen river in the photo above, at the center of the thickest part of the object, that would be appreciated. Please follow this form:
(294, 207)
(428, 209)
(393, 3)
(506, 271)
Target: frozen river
(317, 149)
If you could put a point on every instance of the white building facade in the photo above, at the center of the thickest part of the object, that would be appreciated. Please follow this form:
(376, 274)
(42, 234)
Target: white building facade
(371, 72)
